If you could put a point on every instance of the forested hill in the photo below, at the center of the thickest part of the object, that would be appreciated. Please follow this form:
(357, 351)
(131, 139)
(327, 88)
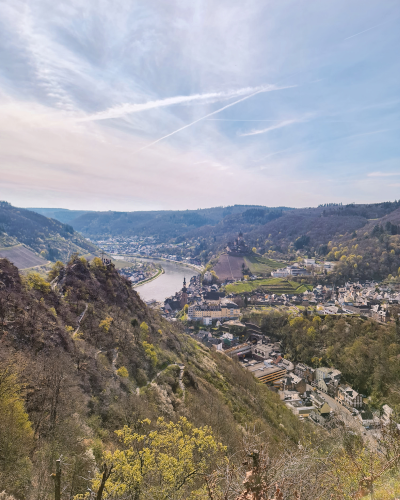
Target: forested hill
(166, 225)
(84, 357)
(363, 238)
(30, 239)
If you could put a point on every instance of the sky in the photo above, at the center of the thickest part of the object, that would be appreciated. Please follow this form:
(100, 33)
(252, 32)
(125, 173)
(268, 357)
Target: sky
(155, 104)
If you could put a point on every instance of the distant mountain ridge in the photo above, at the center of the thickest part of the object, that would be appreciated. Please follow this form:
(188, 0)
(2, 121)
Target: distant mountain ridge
(61, 214)
(162, 224)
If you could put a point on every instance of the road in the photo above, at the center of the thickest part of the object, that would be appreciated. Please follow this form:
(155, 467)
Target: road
(352, 422)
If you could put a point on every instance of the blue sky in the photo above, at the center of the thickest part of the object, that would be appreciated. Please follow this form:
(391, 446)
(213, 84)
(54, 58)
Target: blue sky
(122, 105)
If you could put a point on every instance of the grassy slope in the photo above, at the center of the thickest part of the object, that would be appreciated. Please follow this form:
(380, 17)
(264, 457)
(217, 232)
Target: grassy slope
(272, 285)
(260, 265)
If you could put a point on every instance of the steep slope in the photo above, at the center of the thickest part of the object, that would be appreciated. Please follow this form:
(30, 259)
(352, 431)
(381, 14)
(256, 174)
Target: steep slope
(30, 239)
(94, 358)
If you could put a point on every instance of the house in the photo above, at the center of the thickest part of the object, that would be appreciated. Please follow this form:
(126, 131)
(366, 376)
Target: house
(300, 409)
(387, 414)
(331, 310)
(366, 418)
(309, 262)
(207, 277)
(294, 383)
(262, 351)
(289, 395)
(328, 380)
(304, 371)
(280, 273)
(348, 396)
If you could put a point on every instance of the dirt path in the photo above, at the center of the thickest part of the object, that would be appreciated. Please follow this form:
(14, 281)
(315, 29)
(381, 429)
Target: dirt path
(80, 319)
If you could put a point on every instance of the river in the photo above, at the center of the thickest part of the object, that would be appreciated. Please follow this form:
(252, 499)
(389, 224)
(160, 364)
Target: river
(168, 283)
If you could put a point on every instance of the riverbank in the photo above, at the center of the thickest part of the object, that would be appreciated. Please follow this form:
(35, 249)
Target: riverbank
(148, 280)
(199, 269)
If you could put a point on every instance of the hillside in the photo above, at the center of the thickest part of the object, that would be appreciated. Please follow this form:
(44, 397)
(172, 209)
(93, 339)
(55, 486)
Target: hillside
(29, 239)
(166, 225)
(61, 214)
(278, 286)
(93, 358)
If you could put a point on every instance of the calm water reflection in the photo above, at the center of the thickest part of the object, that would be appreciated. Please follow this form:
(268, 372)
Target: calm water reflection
(168, 283)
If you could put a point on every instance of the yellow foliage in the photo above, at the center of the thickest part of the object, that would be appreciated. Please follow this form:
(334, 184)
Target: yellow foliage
(150, 352)
(144, 330)
(97, 262)
(106, 323)
(123, 372)
(296, 322)
(164, 463)
(55, 270)
(16, 435)
(36, 282)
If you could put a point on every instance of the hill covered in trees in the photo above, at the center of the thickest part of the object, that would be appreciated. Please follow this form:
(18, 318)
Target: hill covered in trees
(364, 239)
(166, 225)
(30, 239)
(84, 357)
(133, 408)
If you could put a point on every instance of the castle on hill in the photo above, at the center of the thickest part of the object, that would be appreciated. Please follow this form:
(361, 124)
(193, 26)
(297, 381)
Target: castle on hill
(238, 247)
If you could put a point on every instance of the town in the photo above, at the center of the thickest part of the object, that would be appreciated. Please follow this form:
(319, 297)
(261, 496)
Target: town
(148, 247)
(316, 394)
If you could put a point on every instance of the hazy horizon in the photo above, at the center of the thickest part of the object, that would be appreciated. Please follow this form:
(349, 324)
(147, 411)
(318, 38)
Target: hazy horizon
(126, 106)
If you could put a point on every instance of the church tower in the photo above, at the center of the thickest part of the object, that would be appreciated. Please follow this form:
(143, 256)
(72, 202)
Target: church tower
(184, 296)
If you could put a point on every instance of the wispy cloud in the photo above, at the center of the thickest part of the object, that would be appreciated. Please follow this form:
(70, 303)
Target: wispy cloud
(272, 154)
(237, 120)
(282, 124)
(383, 174)
(268, 88)
(128, 108)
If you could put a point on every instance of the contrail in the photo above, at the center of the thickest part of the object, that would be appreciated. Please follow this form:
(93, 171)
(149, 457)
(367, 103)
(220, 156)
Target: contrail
(265, 89)
(127, 108)
(273, 127)
(237, 120)
(361, 32)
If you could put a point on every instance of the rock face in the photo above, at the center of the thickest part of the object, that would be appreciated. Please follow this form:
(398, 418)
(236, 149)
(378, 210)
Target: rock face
(9, 276)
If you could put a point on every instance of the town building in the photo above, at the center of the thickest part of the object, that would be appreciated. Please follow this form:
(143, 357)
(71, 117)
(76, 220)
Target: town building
(265, 372)
(305, 372)
(348, 396)
(327, 380)
(207, 312)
